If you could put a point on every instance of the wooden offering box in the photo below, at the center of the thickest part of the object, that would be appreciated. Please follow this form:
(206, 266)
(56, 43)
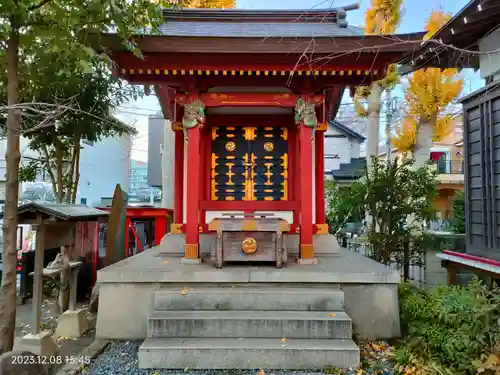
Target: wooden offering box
(250, 239)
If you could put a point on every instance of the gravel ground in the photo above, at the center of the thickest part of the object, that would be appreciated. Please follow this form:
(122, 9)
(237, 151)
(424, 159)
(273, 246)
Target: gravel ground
(121, 358)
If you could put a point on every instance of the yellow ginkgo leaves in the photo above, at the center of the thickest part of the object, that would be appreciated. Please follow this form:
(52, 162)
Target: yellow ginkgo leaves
(436, 20)
(429, 93)
(383, 16)
(208, 4)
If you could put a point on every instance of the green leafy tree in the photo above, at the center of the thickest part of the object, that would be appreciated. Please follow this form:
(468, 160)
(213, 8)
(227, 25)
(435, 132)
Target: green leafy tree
(458, 221)
(399, 201)
(344, 204)
(31, 27)
(92, 98)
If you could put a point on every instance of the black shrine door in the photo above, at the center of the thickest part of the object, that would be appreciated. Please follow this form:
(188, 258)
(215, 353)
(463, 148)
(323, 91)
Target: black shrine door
(249, 163)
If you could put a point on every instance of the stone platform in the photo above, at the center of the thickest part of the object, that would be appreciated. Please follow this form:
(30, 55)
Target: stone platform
(236, 317)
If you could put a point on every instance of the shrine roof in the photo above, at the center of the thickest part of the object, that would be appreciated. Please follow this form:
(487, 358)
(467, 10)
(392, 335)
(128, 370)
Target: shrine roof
(260, 31)
(60, 212)
(456, 44)
(258, 23)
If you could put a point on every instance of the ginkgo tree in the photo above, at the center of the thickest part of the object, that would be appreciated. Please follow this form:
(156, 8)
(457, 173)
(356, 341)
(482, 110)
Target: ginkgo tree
(428, 97)
(382, 17)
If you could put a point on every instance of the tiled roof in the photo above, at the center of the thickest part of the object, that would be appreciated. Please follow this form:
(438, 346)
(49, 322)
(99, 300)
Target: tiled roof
(71, 212)
(248, 23)
(257, 30)
(351, 171)
(346, 130)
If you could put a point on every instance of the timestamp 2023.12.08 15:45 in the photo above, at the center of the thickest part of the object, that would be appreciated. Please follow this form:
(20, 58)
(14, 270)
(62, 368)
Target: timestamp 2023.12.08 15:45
(50, 360)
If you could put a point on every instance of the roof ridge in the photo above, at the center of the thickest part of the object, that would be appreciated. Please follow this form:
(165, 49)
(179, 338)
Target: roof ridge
(333, 15)
(347, 130)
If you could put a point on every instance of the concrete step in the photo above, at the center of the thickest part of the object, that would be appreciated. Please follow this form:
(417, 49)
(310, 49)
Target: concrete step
(250, 298)
(263, 324)
(224, 353)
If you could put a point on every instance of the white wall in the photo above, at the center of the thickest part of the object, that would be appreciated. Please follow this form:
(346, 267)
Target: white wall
(102, 166)
(489, 63)
(337, 146)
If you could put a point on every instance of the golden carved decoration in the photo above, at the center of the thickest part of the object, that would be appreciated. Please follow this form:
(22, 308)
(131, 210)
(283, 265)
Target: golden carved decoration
(268, 146)
(249, 245)
(230, 146)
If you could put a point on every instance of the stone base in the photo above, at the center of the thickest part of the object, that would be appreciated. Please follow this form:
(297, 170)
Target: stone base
(40, 344)
(72, 323)
(307, 261)
(190, 261)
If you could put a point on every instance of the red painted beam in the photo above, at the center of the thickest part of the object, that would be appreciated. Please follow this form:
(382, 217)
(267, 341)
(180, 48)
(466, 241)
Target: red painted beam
(286, 100)
(474, 258)
(246, 62)
(166, 97)
(249, 205)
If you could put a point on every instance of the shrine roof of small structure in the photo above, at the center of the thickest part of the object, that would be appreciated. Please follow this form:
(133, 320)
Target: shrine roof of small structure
(260, 31)
(59, 212)
(455, 45)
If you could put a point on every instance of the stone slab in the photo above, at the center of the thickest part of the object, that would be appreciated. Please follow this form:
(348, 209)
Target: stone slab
(125, 307)
(210, 353)
(251, 324)
(238, 297)
(154, 266)
(191, 261)
(72, 323)
(40, 344)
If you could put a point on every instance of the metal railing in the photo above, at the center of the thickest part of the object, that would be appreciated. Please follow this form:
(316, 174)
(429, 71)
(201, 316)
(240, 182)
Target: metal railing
(450, 166)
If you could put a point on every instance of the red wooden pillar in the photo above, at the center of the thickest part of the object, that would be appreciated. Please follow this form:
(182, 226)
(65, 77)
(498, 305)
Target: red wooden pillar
(319, 155)
(295, 173)
(193, 195)
(306, 196)
(160, 228)
(178, 177)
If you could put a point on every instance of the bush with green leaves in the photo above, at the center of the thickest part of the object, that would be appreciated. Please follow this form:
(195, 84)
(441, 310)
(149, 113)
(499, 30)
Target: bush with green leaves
(450, 325)
(344, 204)
(458, 221)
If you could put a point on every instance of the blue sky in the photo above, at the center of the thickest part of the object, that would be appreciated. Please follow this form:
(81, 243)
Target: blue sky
(415, 15)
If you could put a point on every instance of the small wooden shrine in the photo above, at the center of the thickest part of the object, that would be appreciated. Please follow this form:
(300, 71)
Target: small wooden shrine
(249, 93)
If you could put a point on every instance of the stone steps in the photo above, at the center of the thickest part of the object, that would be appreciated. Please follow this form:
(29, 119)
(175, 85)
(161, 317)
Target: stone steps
(249, 298)
(251, 324)
(248, 327)
(247, 353)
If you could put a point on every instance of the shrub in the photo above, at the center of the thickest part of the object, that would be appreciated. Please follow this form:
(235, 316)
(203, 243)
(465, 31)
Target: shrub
(451, 325)
(458, 220)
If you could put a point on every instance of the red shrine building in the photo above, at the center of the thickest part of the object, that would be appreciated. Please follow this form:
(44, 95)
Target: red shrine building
(249, 93)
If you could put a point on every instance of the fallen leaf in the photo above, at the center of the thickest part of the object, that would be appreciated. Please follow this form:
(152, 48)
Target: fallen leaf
(186, 369)
(261, 372)
(156, 373)
(332, 314)
(165, 262)
(184, 291)
(282, 340)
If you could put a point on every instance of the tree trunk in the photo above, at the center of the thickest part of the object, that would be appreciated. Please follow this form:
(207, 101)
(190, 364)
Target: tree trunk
(423, 143)
(388, 126)
(76, 177)
(58, 161)
(12, 157)
(373, 124)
